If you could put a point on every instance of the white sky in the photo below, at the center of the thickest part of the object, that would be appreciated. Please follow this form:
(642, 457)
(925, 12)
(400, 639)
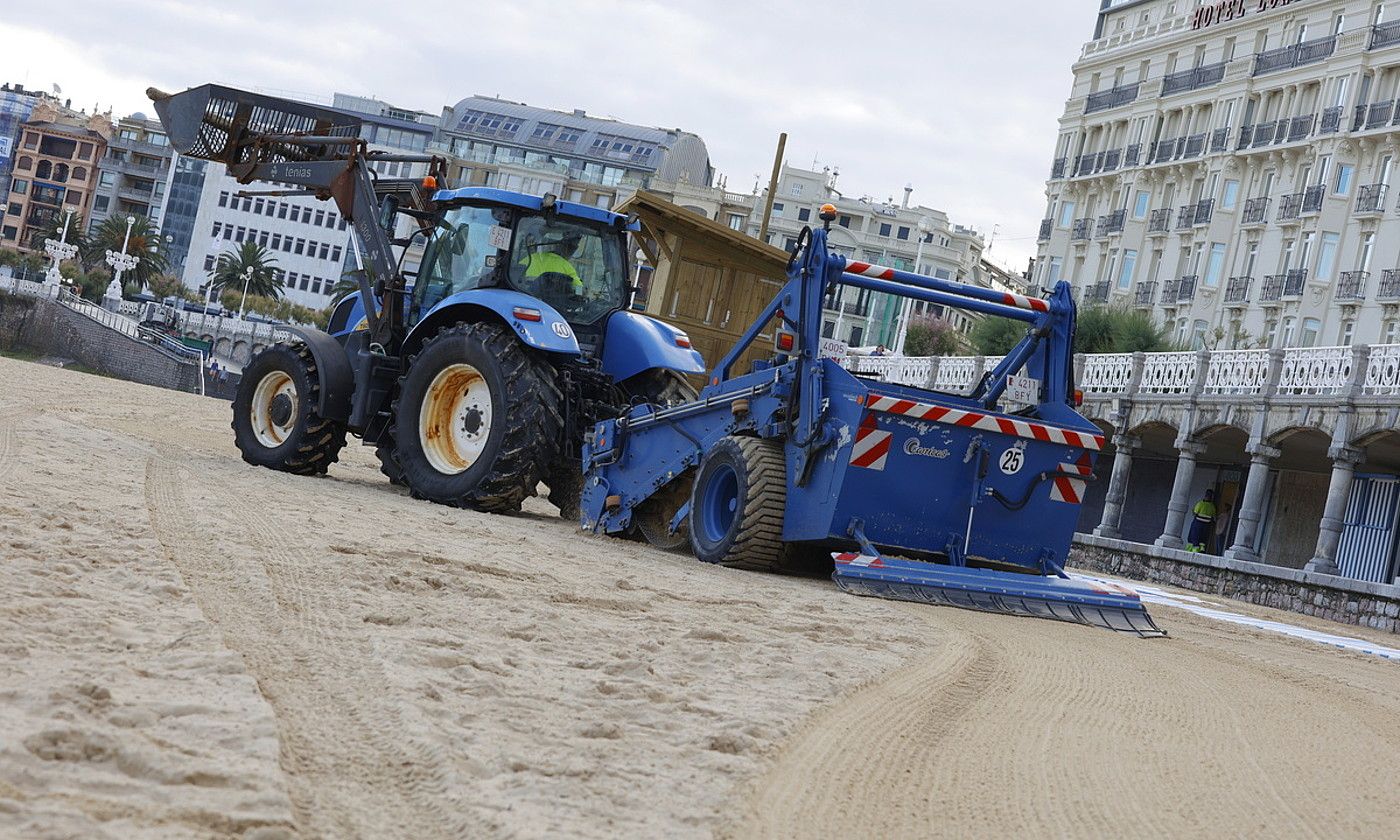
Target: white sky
(958, 99)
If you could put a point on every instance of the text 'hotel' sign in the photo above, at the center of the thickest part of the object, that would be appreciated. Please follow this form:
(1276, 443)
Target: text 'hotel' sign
(1228, 10)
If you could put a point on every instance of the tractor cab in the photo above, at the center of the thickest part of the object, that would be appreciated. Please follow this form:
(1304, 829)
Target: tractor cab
(569, 256)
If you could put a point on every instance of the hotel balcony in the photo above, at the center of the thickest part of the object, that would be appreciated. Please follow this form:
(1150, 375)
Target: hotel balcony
(1132, 155)
(1384, 34)
(1256, 211)
(1294, 281)
(1351, 286)
(1389, 289)
(1312, 198)
(1237, 292)
(1185, 216)
(1145, 294)
(1294, 55)
(1331, 120)
(1196, 77)
(1186, 288)
(1111, 223)
(1272, 290)
(1371, 199)
(1057, 168)
(1096, 292)
(1160, 220)
(1205, 208)
(1111, 98)
(1289, 207)
(1082, 229)
(1045, 226)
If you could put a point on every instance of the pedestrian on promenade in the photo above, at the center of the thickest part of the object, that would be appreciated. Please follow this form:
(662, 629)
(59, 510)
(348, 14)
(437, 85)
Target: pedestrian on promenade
(1202, 523)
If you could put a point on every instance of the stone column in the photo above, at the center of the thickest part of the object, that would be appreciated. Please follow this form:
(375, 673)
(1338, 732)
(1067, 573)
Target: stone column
(1181, 494)
(1117, 486)
(1329, 534)
(1251, 512)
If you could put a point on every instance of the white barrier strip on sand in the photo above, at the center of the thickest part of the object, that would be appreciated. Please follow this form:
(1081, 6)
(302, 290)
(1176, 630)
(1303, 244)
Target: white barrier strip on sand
(1190, 603)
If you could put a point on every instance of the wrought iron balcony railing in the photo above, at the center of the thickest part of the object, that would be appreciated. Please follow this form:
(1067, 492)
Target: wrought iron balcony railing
(1371, 198)
(1272, 289)
(1289, 207)
(1045, 226)
(1379, 113)
(1312, 198)
(1256, 211)
(1185, 216)
(1112, 223)
(1389, 289)
(1246, 136)
(1111, 98)
(1219, 140)
(1351, 285)
(1096, 292)
(1301, 126)
(1169, 290)
(1195, 145)
(1164, 150)
(1384, 34)
(1145, 293)
(1057, 168)
(1331, 120)
(1237, 290)
(1264, 133)
(1294, 55)
(1082, 229)
(1186, 289)
(1293, 282)
(1132, 155)
(1160, 220)
(1196, 77)
(1204, 209)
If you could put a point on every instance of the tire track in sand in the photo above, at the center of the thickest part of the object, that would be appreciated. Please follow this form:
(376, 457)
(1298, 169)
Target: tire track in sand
(353, 768)
(1017, 727)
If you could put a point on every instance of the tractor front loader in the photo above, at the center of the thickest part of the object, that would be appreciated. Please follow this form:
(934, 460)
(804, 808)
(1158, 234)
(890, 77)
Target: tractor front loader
(965, 499)
(475, 378)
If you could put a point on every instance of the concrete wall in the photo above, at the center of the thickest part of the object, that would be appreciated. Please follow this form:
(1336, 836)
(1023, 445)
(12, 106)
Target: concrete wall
(1149, 490)
(43, 326)
(1325, 596)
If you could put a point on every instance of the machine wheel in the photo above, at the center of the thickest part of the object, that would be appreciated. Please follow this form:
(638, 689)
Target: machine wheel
(661, 387)
(565, 490)
(275, 424)
(388, 461)
(476, 422)
(737, 505)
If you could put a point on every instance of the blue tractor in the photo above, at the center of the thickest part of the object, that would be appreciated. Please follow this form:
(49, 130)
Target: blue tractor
(475, 382)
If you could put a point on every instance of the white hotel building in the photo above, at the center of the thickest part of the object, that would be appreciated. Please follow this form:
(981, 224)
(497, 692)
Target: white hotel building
(1230, 167)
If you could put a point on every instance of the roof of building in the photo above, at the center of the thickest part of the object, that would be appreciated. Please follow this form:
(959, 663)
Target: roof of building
(577, 133)
(72, 130)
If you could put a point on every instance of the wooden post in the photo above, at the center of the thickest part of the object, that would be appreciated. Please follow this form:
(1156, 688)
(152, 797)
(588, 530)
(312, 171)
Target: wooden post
(772, 188)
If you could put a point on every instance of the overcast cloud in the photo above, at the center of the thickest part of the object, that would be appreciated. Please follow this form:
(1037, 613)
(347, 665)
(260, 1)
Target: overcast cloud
(958, 99)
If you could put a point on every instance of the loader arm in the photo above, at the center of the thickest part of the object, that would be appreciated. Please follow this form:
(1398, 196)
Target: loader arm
(264, 138)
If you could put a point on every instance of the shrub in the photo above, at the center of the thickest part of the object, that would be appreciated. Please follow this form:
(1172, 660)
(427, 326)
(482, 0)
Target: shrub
(994, 336)
(927, 335)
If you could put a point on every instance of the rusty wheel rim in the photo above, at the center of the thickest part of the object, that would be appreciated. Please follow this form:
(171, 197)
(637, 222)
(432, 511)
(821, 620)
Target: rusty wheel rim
(454, 421)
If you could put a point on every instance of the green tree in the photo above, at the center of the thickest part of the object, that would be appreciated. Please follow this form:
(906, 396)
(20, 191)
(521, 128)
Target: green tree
(145, 242)
(229, 271)
(930, 336)
(995, 336)
(164, 285)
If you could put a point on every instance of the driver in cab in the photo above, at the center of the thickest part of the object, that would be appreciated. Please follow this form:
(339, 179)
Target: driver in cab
(553, 258)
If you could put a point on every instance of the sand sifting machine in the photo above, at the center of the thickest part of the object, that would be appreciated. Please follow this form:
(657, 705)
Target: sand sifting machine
(967, 500)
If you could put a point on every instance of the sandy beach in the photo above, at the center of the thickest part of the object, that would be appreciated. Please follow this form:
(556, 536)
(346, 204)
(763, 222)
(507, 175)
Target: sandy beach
(193, 647)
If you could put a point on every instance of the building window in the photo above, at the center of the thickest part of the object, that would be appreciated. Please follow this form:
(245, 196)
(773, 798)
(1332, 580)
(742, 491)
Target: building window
(335, 254)
(1230, 195)
(15, 208)
(1140, 204)
(828, 327)
(1215, 264)
(107, 179)
(208, 262)
(1311, 327)
(1327, 256)
(19, 187)
(884, 228)
(1125, 271)
(844, 221)
(223, 199)
(736, 221)
(1198, 334)
(281, 210)
(1052, 272)
(1345, 172)
(804, 214)
(325, 251)
(902, 233)
(99, 203)
(795, 190)
(857, 335)
(1066, 214)
(1346, 332)
(777, 208)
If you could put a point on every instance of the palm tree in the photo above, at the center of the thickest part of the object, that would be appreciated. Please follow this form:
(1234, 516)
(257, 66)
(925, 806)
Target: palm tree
(144, 241)
(230, 271)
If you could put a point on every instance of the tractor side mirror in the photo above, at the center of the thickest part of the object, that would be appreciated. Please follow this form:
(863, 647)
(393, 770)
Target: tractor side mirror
(388, 212)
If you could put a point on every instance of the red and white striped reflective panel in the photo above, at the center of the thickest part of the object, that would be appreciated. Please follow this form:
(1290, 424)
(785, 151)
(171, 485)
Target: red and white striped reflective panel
(864, 561)
(872, 447)
(880, 272)
(986, 422)
(1071, 490)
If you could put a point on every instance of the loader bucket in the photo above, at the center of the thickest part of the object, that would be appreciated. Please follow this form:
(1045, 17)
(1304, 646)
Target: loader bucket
(217, 123)
(1096, 604)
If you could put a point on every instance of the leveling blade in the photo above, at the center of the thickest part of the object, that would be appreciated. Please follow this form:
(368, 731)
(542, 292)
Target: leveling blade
(1094, 603)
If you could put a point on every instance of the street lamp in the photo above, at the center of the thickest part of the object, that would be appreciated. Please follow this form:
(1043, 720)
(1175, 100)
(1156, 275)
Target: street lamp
(247, 278)
(59, 250)
(121, 262)
(924, 227)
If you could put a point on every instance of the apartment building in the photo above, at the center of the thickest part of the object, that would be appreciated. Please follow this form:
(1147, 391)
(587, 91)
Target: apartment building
(55, 169)
(132, 177)
(882, 232)
(578, 157)
(16, 104)
(1228, 166)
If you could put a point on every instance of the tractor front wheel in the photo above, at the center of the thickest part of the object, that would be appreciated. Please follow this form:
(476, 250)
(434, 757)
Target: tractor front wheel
(275, 424)
(475, 424)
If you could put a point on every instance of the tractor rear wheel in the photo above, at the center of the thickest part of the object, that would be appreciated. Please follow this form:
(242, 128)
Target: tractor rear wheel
(737, 505)
(275, 424)
(476, 423)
